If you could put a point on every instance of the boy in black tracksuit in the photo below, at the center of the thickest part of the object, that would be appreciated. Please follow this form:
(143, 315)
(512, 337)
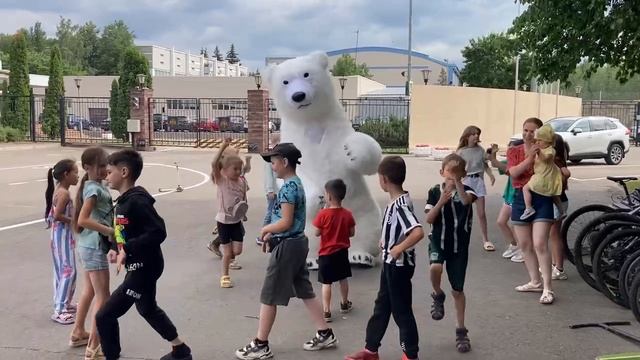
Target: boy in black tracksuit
(139, 231)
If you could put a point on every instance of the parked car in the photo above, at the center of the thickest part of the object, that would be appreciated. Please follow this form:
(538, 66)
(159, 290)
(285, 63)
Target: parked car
(208, 125)
(103, 124)
(234, 123)
(592, 137)
(74, 121)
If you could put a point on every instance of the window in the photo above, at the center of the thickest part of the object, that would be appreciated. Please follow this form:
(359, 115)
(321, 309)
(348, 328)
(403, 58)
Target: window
(583, 125)
(161, 55)
(611, 125)
(161, 62)
(598, 125)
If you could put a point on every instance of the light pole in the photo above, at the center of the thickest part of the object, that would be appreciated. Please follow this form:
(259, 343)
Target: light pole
(258, 79)
(425, 75)
(78, 81)
(408, 85)
(516, 84)
(343, 83)
(578, 90)
(141, 80)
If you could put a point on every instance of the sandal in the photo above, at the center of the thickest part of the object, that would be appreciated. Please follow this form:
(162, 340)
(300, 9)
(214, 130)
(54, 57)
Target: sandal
(547, 297)
(78, 341)
(462, 340)
(64, 318)
(71, 308)
(225, 282)
(93, 354)
(437, 307)
(529, 287)
(488, 246)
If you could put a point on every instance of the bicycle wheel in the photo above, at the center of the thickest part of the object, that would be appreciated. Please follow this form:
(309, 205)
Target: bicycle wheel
(609, 258)
(630, 268)
(591, 236)
(634, 296)
(576, 221)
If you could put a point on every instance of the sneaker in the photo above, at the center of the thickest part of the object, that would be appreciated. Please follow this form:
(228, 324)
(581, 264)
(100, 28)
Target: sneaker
(327, 316)
(557, 274)
(518, 258)
(346, 307)
(363, 355)
(235, 265)
(253, 351)
(528, 212)
(510, 252)
(320, 342)
(405, 357)
(180, 352)
(259, 241)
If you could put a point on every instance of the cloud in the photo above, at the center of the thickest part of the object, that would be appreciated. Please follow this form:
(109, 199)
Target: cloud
(262, 28)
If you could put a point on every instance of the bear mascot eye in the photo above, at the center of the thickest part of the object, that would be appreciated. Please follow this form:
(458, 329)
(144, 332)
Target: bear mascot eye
(306, 75)
(286, 82)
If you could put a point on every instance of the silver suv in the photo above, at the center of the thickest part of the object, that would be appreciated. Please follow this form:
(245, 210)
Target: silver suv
(593, 137)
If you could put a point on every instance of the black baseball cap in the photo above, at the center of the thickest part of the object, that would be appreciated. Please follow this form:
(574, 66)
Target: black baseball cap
(286, 150)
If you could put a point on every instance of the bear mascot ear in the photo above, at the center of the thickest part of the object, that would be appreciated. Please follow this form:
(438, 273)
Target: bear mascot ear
(268, 75)
(321, 58)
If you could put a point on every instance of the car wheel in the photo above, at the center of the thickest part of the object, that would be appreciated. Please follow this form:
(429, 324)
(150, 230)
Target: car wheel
(575, 161)
(614, 154)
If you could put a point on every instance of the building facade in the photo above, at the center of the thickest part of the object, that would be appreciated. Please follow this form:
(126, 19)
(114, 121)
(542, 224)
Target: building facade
(165, 61)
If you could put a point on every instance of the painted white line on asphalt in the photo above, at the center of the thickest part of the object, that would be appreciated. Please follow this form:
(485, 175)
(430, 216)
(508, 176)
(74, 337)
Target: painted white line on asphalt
(18, 183)
(205, 179)
(596, 179)
(43, 166)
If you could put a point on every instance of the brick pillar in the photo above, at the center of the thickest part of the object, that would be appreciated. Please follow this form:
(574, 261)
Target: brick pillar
(258, 110)
(142, 140)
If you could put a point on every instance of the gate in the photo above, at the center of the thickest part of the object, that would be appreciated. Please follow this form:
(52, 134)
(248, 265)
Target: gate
(198, 122)
(384, 119)
(87, 120)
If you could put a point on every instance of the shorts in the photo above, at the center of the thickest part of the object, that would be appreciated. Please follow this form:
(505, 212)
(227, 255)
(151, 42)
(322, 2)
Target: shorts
(477, 184)
(287, 275)
(564, 206)
(455, 263)
(334, 267)
(230, 232)
(543, 205)
(92, 259)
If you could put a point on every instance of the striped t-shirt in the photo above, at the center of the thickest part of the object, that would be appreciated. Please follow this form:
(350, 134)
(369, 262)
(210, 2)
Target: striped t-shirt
(397, 223)
(452, 229)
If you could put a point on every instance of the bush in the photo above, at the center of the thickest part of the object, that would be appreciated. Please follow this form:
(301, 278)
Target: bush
(392, 133)
(8, 134)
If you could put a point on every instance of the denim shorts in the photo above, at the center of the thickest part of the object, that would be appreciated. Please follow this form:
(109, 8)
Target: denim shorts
(543, 205)
(92, 259)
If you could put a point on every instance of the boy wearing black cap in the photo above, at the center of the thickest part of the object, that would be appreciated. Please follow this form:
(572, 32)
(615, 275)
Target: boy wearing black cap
(287, 275)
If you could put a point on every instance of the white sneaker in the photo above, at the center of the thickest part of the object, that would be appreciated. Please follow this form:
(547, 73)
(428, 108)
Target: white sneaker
(511, 250)
(517, 257)
(557, 274)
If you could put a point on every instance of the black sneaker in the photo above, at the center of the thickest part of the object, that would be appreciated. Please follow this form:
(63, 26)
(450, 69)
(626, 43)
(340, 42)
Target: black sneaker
(437, 307)
(346, 307)
(254, 351)
(180, 352)
(320, 342)
(327, 316)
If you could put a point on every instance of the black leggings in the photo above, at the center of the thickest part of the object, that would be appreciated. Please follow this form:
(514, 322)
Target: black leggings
(139, 288)
(394, 298)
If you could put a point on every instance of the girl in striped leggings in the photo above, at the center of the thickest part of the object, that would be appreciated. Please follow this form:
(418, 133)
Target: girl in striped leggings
(59, 213)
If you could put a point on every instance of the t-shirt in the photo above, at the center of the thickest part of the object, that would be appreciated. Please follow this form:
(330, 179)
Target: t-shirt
(291, 192)
(561, 161)
(475, 159)
(335, 228)
(398, 221)
(102, 212)
(509, 191)
(230, 193)
(453, 226)
(516, 155)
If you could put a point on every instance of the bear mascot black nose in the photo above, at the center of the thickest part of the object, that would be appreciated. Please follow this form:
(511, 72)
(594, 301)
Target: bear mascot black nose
(298, 96)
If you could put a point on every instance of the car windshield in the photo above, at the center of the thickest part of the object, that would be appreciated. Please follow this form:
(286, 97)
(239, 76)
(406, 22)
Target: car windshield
(561, 124)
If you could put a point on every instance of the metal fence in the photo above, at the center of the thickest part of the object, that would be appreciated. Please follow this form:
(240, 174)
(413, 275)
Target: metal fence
(87, 120)
(386, 120)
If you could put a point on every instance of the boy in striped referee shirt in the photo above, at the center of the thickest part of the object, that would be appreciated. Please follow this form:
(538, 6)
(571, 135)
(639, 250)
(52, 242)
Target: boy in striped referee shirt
(401, 231)
(450, 214)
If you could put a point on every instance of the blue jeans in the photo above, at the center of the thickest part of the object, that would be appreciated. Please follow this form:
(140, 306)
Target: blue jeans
(271, 203)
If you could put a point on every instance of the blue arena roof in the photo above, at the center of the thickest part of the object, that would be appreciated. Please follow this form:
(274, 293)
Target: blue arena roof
(391, 50)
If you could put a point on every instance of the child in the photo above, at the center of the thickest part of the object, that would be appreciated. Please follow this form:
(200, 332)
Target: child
(401, 231)
(335, 225)
(139, 233)
(93, 219)
(476, 159)
(450, 214)
(59, 214)
(287, 274)
(271, 185)
(547, 178)
(232, 208)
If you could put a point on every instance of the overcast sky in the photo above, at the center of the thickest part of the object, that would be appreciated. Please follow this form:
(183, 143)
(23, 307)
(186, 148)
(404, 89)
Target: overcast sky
(261, 28)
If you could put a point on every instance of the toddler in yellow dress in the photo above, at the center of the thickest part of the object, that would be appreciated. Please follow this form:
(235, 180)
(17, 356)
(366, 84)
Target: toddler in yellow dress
(547, 178)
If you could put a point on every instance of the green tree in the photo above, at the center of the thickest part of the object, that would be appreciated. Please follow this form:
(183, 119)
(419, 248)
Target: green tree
(217, 54)
(55, 91)
(346, 66)
(115, 113)
(115, 40)
(18, 115)
(560, 34)
(489, 62)
(232, 55)
(71, 49)
(133, 63)
(37, 37)
(4, 104)
(88, 35)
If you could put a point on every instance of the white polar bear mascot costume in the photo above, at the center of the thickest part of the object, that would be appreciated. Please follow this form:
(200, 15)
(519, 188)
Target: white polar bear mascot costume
(314, 121)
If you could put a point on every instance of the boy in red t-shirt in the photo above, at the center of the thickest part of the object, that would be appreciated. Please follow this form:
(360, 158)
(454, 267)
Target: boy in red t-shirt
(335, 225)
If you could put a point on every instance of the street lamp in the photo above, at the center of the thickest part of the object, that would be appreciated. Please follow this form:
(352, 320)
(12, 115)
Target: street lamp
(425, 75)
(258, 78)
(78, 81)
(578, 90)
(141, 80)
(343, 82)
